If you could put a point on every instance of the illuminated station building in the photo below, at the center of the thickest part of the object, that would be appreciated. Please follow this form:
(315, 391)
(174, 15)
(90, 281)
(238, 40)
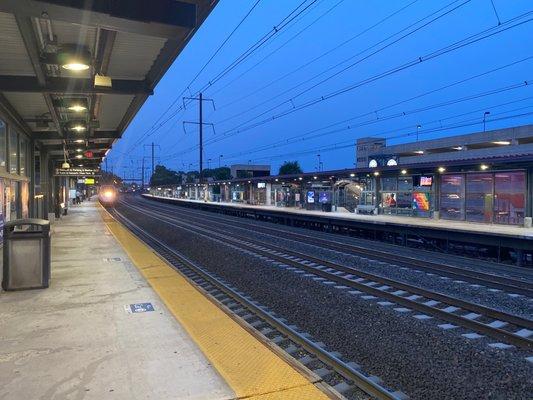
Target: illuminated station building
(484, 177)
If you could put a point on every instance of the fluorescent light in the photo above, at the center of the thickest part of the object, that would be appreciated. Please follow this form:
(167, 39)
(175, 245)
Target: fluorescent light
(484, 167)
(419, 151)
(352, 175)
(79, 141)
(77, 108)
(376, 173)
(441, 169)
(79, 150)
(79, 156)
(75, 66)
(404, 171)
(458, 148)
(502, 142)
(78, 128)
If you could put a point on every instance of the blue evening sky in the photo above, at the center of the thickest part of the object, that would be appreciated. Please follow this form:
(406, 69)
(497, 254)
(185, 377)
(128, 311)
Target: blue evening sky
(269, 108)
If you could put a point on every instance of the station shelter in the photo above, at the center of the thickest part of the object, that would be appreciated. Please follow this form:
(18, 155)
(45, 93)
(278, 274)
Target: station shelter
(496, 190)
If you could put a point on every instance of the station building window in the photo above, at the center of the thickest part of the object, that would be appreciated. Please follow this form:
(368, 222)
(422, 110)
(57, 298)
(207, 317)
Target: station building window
(407, 195)
(478, 206)
(13, 196)
(452, 193)
(13, 152)
(509, 196)
(24, 156)
(3, 134)
(484, 197)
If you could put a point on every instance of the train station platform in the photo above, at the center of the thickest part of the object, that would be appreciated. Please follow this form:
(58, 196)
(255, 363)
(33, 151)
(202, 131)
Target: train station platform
(117, 322)
(458, 226)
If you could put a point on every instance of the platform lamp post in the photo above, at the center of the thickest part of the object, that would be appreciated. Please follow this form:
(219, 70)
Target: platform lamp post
(485, 119)
(418, 126)
(219, 158)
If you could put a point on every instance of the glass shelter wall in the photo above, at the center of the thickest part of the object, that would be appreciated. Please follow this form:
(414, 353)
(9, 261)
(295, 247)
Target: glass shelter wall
(484, 197)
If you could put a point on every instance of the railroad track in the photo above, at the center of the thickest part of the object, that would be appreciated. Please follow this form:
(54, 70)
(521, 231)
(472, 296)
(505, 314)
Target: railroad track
(344, 378)
(509, 285)
(510, 329)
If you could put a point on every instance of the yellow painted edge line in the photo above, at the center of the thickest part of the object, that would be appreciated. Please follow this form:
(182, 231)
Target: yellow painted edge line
(249, 367)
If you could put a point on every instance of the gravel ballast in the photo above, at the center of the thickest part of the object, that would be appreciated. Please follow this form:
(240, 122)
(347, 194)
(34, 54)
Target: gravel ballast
(411, 355)
(510, 303)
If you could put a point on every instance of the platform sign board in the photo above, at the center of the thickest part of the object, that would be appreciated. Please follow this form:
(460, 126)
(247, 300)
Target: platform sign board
(77, 172)
(89, 181)
(139, 308)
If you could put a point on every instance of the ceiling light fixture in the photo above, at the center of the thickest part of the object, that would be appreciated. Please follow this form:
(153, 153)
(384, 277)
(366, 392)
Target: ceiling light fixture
(502, 142)
(441, 169)
(74, 58)
(77, 108)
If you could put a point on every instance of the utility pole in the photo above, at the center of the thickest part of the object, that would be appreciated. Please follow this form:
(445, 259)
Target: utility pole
(142, 175)
(152, 149)
(152, 158)
(201, 124)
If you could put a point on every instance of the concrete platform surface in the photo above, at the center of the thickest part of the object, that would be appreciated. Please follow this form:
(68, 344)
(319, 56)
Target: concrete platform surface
(76, 339)
(461, 226)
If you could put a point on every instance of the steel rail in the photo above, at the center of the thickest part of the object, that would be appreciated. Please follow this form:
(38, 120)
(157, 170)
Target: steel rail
(506, 336)
(363, 382)
(509, 285)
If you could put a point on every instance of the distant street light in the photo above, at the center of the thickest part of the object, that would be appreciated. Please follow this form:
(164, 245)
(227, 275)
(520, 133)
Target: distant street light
(417, 129)
(219, 157)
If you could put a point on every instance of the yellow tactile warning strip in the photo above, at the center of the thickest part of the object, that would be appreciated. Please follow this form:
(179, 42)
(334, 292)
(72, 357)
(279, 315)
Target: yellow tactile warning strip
(249, 367)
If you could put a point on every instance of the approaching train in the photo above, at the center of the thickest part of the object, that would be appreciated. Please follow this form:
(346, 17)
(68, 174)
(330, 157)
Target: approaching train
(108, 195)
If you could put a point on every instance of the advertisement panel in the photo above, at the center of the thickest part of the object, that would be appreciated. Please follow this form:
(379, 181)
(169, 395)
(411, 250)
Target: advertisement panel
(421, 201)
(311, 196)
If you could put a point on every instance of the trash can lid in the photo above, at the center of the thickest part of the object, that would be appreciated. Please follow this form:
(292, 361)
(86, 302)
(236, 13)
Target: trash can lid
(27, 221)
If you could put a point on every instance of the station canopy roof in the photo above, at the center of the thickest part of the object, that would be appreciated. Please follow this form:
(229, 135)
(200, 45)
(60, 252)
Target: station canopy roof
(74, 73)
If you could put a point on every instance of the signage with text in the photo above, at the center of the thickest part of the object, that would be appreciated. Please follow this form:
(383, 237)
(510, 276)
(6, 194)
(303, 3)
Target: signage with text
(77, 172)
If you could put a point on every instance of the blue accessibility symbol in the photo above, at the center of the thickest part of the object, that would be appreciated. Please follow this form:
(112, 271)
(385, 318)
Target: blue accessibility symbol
(141, 307)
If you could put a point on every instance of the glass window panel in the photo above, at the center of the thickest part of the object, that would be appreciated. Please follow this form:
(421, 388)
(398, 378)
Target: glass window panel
(451, 197)
(13, 196)
(23, 155)
(405, 184)
(389, 184)
(478, 205)
(13, 152)
(509, 197)
(3, 133)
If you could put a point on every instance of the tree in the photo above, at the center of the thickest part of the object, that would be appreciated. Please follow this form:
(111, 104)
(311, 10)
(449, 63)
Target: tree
(164, 176)
(290, 168)
(218, 174)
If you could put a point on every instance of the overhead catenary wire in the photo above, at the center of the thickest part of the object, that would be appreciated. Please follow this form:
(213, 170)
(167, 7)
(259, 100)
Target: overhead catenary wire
(408, 127)
(307, 136)
(328, 52)
(300, 32)
(415, 29)
(301, 8)
(219, 48)
(418, 96)
(349, 144)
(445, 50)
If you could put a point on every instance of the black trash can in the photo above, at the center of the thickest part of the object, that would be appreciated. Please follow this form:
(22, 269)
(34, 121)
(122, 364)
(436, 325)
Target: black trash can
(26, 254)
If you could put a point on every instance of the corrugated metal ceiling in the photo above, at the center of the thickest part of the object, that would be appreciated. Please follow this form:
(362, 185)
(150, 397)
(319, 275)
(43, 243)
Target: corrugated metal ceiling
(14, 59)
(133, 55)
(113, 109)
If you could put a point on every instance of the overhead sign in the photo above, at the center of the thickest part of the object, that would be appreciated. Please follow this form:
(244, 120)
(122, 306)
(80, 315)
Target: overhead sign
(77, 172)
(89, 181)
